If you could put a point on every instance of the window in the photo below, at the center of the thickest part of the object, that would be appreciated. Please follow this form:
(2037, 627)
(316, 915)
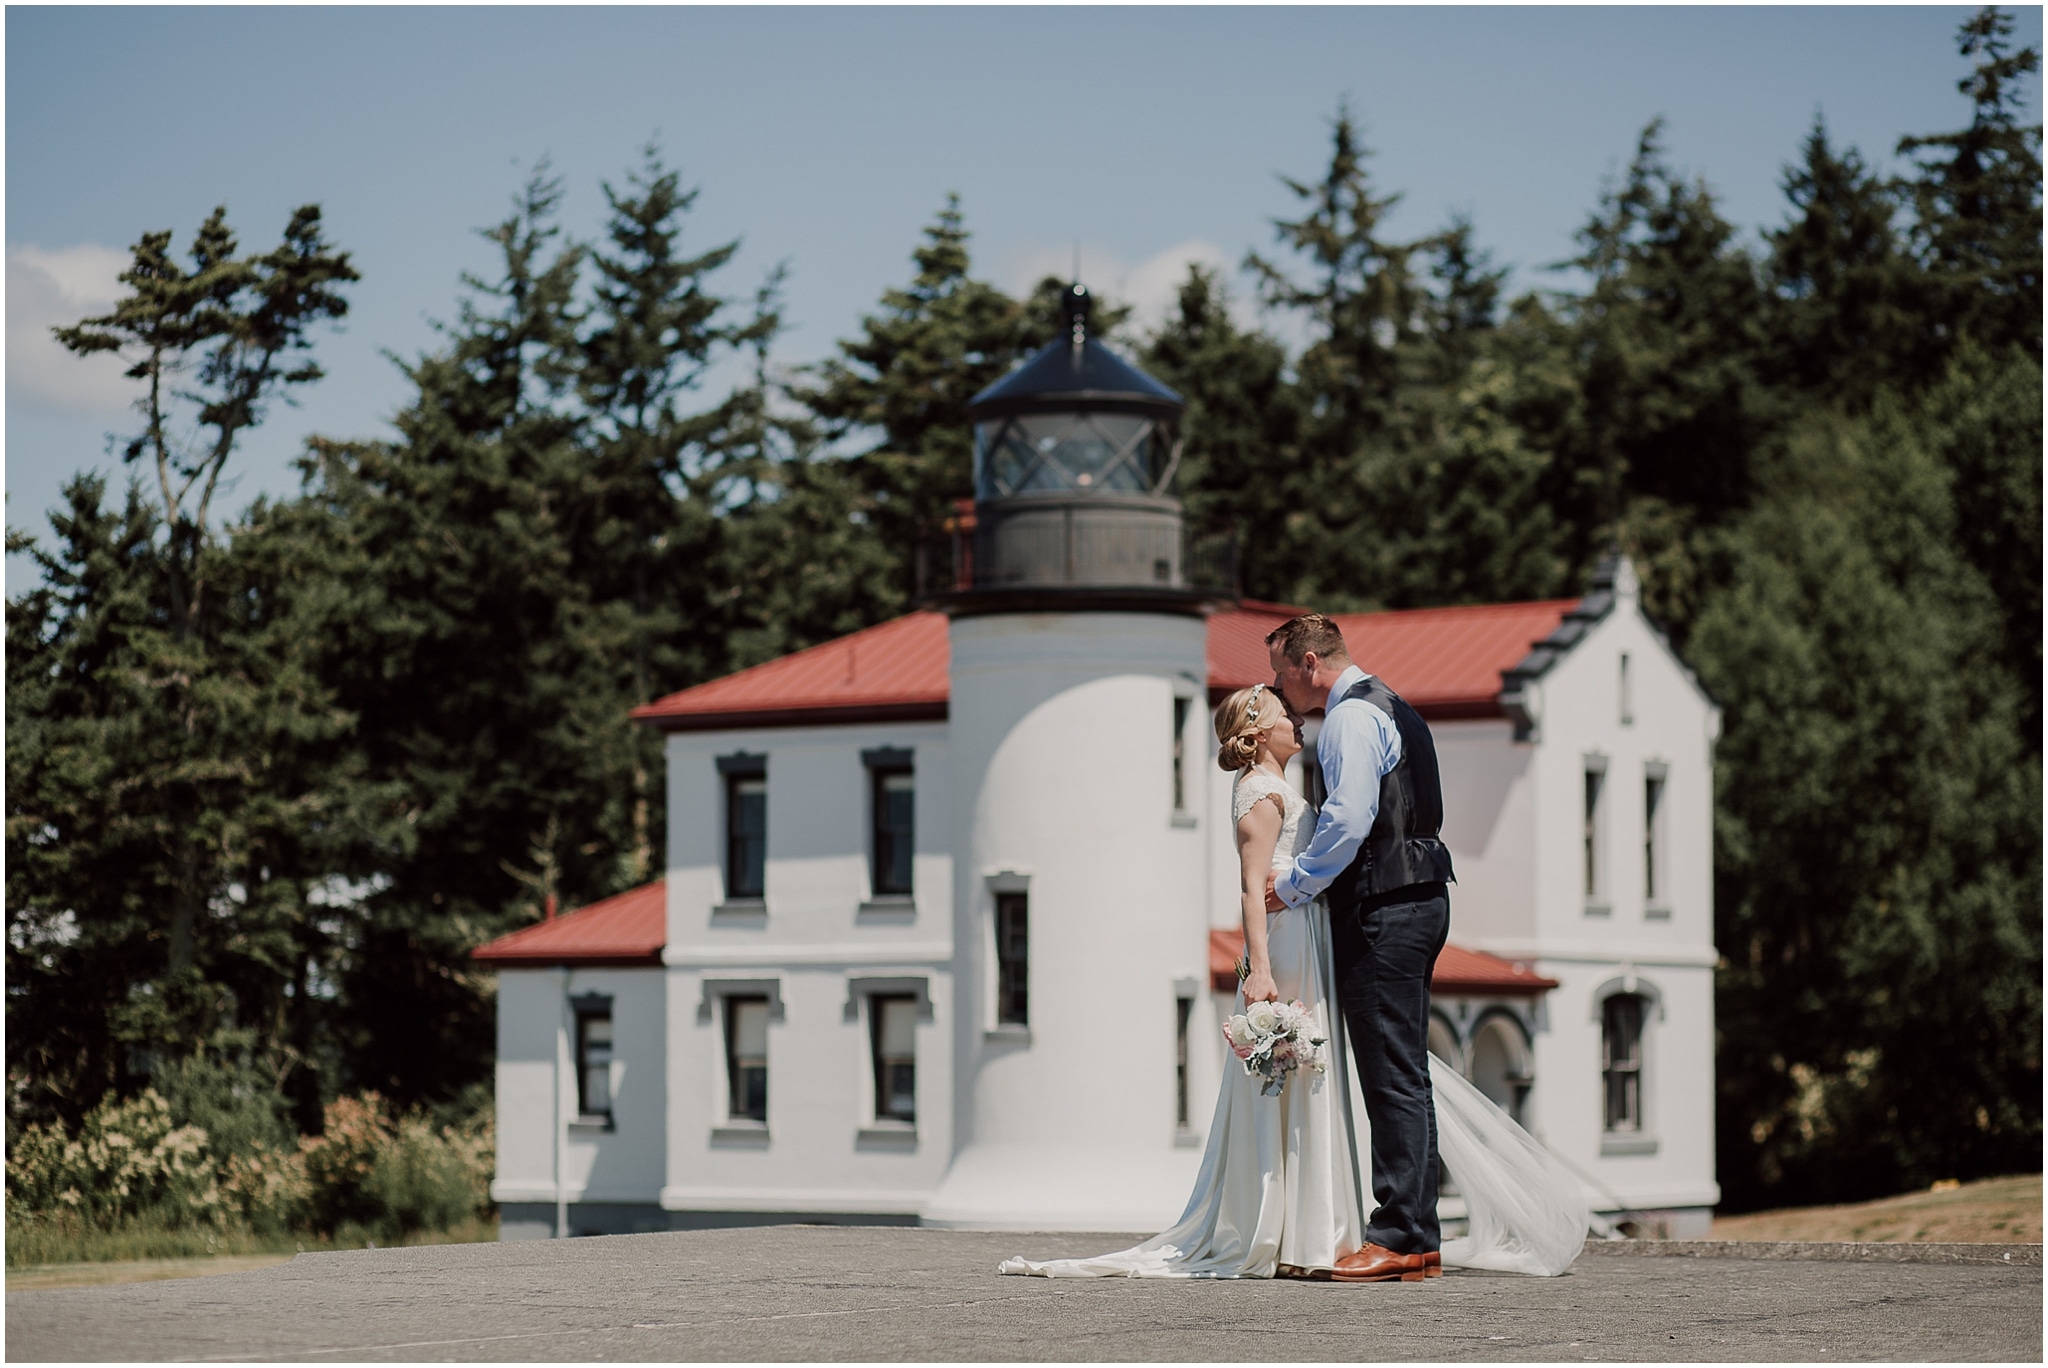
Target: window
(892, 1033)
(1628, 702)
(1181, 708)
(1621, 1061)
(746, 835)
(1013, 943)
(746, 1057)
(1596, 782)
(1500, 1064)
(1443, 1042)
(594, 1058)
(1183, 1013)
(1653, 836)
(894, 804)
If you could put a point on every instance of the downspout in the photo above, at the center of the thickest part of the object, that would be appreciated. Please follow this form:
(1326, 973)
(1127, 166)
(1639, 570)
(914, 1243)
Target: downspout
(561, 1048)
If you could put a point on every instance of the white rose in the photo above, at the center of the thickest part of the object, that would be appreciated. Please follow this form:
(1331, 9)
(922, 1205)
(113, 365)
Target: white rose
(1262, 1017)
(1239, 1031)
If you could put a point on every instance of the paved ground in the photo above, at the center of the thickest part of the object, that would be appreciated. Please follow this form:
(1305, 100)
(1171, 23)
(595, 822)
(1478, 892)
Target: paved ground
(817, 1293)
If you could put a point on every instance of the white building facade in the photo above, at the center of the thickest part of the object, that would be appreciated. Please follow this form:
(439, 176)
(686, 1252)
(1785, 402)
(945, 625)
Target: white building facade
(950, 903)
(1064, 1080)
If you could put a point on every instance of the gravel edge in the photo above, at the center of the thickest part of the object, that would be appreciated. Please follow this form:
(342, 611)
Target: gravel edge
(2003, 1255)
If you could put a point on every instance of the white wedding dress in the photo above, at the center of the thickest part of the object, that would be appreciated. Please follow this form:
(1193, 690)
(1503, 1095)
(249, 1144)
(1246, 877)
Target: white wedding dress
(1280, 1184)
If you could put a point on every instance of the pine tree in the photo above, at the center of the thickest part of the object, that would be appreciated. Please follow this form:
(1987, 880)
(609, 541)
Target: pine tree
(486, 679)
(1978, 202)
(1363, 297)
(1671, 411)
(900, 390)
(1845, 317)
(656, 331)
(1239, 430)
(167, 742)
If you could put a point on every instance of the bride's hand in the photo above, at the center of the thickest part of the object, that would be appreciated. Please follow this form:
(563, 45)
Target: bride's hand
(1259, 987)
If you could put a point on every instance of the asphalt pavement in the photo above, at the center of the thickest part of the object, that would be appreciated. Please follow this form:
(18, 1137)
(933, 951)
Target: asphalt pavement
(850, 1294)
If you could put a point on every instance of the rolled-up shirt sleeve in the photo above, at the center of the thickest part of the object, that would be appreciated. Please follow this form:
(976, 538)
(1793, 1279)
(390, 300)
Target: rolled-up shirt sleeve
(1357, 747)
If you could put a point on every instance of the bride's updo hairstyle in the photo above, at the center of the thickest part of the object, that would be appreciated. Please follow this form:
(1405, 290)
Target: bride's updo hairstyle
(1239, 719)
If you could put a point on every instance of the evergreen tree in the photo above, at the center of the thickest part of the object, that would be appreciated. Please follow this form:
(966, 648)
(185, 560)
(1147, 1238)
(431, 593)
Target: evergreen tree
(1845, 316)
(169, 747)
(485, 678)
(902, 388)
(1878, 824)
(1978, 203)
(1672, 411)
(1239, 431)
(1362, 296)
(657, 329)
(1977, 234)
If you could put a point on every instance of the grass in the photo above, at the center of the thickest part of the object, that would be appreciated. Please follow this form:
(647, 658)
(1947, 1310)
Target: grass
(134, 1270)
(41, 1249)
(1992, 1211)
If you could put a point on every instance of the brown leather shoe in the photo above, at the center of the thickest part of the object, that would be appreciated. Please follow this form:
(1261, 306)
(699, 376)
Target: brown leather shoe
(1433, 1264)
(1375, 1263)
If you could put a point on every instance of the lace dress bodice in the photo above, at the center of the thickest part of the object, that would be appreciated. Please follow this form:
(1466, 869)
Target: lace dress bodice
(1252, 787)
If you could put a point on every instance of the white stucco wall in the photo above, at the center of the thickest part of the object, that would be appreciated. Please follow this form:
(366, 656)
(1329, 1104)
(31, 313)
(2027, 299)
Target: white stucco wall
(822, 1149)
(536, 1034)
(1584, 942)
(1488, 821)
(1061, 739)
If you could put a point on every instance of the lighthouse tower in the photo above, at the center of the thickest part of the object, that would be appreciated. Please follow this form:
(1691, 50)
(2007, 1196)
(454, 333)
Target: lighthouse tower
(1078, 725)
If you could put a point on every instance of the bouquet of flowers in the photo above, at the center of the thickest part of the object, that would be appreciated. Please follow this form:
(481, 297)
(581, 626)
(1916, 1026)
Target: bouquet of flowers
(1272, 1039)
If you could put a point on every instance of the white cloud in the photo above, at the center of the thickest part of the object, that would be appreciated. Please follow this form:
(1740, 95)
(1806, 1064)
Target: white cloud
(1151, 288)
(49, 287)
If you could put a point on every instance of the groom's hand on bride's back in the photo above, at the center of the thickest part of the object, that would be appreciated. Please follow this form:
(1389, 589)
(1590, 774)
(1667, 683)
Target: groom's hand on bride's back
(1273, 903)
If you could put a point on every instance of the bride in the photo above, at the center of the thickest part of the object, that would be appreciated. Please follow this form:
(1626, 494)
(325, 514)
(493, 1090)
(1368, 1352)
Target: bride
(1279, 1193)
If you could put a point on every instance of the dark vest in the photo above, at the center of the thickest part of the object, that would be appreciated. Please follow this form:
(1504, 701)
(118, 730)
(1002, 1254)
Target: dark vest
(1402, 848)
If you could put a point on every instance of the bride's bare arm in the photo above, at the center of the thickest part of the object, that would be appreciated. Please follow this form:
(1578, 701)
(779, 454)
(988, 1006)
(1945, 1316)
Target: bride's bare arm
(1258, 831)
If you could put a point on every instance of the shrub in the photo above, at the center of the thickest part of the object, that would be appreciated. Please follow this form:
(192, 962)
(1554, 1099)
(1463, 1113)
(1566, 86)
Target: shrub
(129, 1169)
(342, 1161)
(126, 1159)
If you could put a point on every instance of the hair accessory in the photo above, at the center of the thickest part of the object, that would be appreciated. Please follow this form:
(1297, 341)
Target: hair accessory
(1251, 705)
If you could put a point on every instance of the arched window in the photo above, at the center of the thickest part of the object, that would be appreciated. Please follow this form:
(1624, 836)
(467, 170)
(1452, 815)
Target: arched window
(1443, 1042)
(1500, 1064)
(1626, 1007)
(1621, 1062)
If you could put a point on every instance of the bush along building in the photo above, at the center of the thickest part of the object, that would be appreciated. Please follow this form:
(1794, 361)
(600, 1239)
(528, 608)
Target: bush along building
(951, 903)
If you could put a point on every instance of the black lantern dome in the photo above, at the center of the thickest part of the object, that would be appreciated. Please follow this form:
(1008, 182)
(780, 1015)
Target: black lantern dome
(1074, 503)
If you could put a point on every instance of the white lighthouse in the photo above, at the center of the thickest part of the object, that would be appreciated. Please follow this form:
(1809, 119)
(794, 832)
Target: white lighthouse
(1080, 691)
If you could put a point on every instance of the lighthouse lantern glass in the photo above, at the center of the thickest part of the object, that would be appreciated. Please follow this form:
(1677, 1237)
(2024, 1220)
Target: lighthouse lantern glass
(1067, 453)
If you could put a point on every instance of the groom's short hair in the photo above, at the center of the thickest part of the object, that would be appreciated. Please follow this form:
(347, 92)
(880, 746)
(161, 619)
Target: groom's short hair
(1296, 637)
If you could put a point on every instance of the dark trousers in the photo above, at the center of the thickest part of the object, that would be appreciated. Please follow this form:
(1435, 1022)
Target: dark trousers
(1386, 948)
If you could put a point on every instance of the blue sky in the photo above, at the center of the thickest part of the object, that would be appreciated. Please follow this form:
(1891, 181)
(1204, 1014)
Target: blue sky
(827, 138)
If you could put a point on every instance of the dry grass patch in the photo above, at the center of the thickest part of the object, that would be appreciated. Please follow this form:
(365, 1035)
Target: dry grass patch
(134, 1270)
(1993, 1211)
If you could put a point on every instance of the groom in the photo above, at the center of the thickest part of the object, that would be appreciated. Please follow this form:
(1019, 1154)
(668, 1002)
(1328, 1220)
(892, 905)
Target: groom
(1376, 852)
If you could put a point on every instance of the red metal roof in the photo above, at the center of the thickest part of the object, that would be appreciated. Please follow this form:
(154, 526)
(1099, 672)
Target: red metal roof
(1445, 661)
(1458, 970)
(626, 929)
(896, 671)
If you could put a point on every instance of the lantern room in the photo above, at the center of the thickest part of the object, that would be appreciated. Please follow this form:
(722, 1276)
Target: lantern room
(1075, 454)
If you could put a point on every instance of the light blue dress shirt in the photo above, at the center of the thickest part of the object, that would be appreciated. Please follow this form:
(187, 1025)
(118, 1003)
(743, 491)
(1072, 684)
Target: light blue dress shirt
(1358, 746)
